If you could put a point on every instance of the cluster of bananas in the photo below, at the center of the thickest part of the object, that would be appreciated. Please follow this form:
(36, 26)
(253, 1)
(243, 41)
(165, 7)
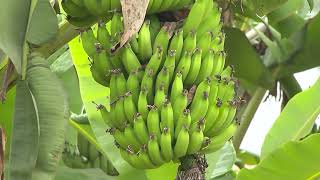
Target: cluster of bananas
(83, 13)
(86, 156)
(170, 95)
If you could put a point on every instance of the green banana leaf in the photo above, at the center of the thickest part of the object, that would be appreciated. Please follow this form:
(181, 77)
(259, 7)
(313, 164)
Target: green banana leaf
(220, 162)
(65, 173)
(284, 11)
(263, 7)
(295, 121)
(294, 160)
(247, 63)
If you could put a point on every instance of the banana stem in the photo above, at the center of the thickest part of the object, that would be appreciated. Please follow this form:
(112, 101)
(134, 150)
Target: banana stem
(290, 86)
(192, 167)
(247, 116)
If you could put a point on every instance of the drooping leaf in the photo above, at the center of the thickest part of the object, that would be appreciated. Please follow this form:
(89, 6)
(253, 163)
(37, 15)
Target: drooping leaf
(295, 121)
(286, 10)
(43, 25)
(221, 161)
(25, 135)
(228, 176)
(307, 57)
(169, 170)
(293, 160)
(248, 65)
(248, 158)
(290, 25)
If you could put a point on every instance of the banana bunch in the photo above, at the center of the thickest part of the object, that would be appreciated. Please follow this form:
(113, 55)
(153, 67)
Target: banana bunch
(170, 95)
(83, 13)
(85, 155)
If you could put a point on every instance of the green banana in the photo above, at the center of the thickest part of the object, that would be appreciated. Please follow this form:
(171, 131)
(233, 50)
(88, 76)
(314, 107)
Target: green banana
(184, 65)
(231, 115)
(166, 116)
(119, 137)
(221, 119)
(94, 7)
(177, 87)
(214, 88)
(116, 60)
(218, 42)
(212, 116)
(199, 107)
(165, 144)
(194, 68)
(160, 97)
(147, 83)
(115, 5)
(170, 63)
(153, 122)
(218, 63)
(182, 143)
(196, 140)
(143, 104)
(180, 104)
(116, 27)
(130, 108)
(134, 44)
(155, 26)
(133, 85)
(143, 155)
(195, 16)
(210, 23)
(119, 111)
(101, 66)
(184, 120)
(176, 44)
(165, 5)
(131, 138)
(81, 22)
(106, 116)
(163, 79)
(140, 129)
(130, 60)
(145, 44)
(204, 43)
(103, 36)
(162, 40)
(204, 86)
(155, 7)
(121, 84)
(155, 61)
(218, 141)
(227, 72)
(189, 43)
(113, 86)
(154, 151)
(73, 9)
(206, 67)
(88, 42)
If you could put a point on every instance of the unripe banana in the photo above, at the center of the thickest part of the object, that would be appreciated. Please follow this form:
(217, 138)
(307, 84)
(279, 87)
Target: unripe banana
(103, 36)
(147, 84)
(218, 42)
(143, 155)
(82, 22)
(134, 44)
(210, 24)
(155, 61)
(143, 104)
(229, 92)
(204, 86)
(115, 5)
(214, 88)
(130, 60)
(101, 66)
(154, 151)
(140, 129)
(184, 65)
(131, 138)
(176, 44)
(116, 60)
(218, 141)
(130, 108)
(227, 72)
(206, 67)
(121, 84)
(199, 107)
(182, 143)
(204, 42)
(155, 26)
(116, 26)
(200, 124)
(113, 86)
(231, 115)
(163, 79)
(221, 119)
(88, 42)
(190, 42)
(94, 7)
(177, 87)
(196, 140)
(145, 44)
(160, 97)
(170, 63)
(218, 63)
(153, 122)
(195, 67)
(212, 116)
(165, 144)
(195, 16)
(166, 116)
(73, 9)
(133, 85)
(119, 111)
(183, 120)
(223, 86)
(180, 104)
(119, 137)
(162, 40)
(165, 5)
(156, 4)
(125, 155)
(107, 117)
